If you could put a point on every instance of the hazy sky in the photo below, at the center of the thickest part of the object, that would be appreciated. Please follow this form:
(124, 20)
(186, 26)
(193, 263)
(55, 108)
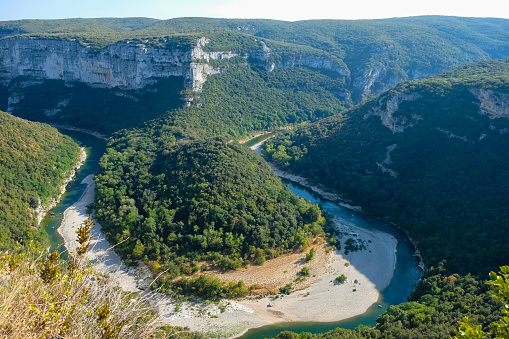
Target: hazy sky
(269, 9)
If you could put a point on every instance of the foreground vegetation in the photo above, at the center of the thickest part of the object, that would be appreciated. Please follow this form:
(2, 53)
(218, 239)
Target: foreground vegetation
(34, 161)
(44, 297)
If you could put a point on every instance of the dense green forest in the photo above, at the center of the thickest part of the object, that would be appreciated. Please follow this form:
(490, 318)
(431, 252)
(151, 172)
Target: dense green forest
(34, 160)
(243, 100)
(197, 200)
(108, 112)
(442, 175)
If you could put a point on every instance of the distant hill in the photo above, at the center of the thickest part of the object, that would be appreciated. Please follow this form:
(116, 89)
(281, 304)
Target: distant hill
(430, 155)
(34, 161)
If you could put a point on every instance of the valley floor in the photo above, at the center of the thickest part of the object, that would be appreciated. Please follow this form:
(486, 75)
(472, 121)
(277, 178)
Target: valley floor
(319, 298)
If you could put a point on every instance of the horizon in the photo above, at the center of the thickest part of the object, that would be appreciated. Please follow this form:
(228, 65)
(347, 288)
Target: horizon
(234, 18)
(283, 10)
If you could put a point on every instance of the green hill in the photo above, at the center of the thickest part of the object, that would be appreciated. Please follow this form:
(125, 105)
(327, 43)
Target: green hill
(429, 155)
(175, 202)
(34, 161)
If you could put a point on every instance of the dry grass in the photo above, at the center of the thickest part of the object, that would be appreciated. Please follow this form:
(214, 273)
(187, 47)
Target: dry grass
(278, 272)
(42, 296)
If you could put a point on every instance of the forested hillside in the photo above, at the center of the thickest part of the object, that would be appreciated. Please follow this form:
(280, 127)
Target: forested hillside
(34, 161)
(175, 202)
(238, 102)
(429, 155)
(375, 54)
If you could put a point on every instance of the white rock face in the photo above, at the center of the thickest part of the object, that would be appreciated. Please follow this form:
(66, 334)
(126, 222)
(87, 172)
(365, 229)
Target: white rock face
(126, 64)
(388, 106)
(123, 64)
(493, 104)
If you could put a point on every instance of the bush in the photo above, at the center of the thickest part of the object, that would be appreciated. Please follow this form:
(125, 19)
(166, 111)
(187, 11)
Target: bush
(287, 289)
(305, 271)
(260, 256)
(341, 279)
(53, 298)
(311, 254)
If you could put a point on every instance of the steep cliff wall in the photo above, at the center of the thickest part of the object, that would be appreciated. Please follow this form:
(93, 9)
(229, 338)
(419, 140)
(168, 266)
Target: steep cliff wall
(127, 64)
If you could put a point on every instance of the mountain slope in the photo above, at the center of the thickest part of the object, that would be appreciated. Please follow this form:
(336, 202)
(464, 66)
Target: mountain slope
(430, 155)
(34, 161)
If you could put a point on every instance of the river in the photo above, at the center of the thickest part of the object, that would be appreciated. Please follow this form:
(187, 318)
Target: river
(406, 274)
(94, 147)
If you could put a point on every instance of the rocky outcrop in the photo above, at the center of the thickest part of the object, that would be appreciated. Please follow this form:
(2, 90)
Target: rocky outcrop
(374, 80)
(491, 103)
(126, 64)
(382, 166)
(388, 106)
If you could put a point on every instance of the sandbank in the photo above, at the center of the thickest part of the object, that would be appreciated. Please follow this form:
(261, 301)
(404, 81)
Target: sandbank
(324, 300)
(100, 250)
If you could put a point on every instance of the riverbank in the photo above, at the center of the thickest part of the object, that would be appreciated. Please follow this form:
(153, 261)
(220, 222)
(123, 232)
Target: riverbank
(304, 182)
(318, 298)
(86, 131)
(324, 299)
(42, 210)
(100, 250)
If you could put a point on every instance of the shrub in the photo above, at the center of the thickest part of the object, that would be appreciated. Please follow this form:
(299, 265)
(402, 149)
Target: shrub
(311, 254)
(287, 289)
(305, 271)
(52, 298)
(341, 279)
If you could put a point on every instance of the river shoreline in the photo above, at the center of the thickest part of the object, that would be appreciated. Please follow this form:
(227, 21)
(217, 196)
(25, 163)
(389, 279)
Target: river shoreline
(82, 130)
(43, 210)
(335, 198)
(100, 251)
(369, 271)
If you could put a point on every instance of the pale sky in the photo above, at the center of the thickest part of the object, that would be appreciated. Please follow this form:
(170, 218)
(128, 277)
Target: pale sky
(267, 9)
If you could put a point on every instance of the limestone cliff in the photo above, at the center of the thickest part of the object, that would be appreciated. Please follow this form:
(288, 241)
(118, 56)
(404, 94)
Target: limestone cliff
(386, 108)
(494, 104)
(127, 64)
